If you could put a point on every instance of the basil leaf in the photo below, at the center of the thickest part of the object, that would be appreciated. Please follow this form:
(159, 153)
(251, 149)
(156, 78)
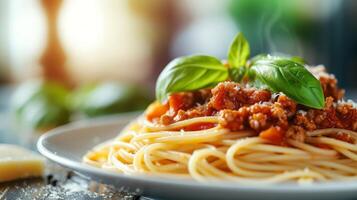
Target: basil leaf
(298, 60)
(238, 51)
(291, 78)
(190, 73)
(276, 57)
(258, 57)
(237, 74)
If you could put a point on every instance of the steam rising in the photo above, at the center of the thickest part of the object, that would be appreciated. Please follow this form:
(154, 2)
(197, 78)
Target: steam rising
(287, 43)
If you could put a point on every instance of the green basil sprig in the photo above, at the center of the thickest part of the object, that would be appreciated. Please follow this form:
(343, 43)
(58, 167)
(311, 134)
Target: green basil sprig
(190, 73)
(238, 55)
(279, 74)
(291, 78)
(239, 51)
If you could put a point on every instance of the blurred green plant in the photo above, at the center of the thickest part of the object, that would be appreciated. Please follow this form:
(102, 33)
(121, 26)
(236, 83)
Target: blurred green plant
(108, 98)
(281, 22)
(44, 105)
(41, 105)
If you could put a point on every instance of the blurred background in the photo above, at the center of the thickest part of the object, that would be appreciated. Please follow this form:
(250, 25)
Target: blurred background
(63, 60)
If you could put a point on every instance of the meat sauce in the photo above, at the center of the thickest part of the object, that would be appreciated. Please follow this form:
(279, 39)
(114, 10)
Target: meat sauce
(274, 117)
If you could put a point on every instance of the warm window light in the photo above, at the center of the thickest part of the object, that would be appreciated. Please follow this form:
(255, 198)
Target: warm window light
(104, 40)
(27, 36)
(81, 26)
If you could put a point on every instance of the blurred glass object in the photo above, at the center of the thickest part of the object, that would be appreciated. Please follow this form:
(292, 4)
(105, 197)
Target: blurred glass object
(53, 58)
(4, 54)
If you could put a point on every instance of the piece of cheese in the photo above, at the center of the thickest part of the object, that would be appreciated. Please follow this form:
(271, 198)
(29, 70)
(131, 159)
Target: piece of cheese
(17, 162)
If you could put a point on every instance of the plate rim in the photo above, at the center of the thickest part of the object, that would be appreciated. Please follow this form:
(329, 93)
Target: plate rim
(333, 186)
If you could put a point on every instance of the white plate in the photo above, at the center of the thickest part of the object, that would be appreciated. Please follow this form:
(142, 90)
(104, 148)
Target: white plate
(66, 146)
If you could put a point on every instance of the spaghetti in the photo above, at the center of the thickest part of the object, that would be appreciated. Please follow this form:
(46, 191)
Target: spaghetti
(220, 154)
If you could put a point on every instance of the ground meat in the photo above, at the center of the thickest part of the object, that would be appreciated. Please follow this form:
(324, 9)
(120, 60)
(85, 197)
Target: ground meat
(258, 121)
(329, 86)
(325, 118)
(258, 116)
(302, 120)
(296, 133)
(334, 115)
(166, 119)
(185, 105)
(328, 82)
(264, 108)
(287, 104)
(331, 116)
(344, 137)
(243, 108)
(199, 111)
(231, 95)
(347, 114)
(187, 100)
(233, 119)
(280, 115)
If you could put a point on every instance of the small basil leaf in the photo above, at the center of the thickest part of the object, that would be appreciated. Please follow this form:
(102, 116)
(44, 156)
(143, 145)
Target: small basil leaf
(237, 74)
(291, 78)
(239, 51)
(190, 73)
